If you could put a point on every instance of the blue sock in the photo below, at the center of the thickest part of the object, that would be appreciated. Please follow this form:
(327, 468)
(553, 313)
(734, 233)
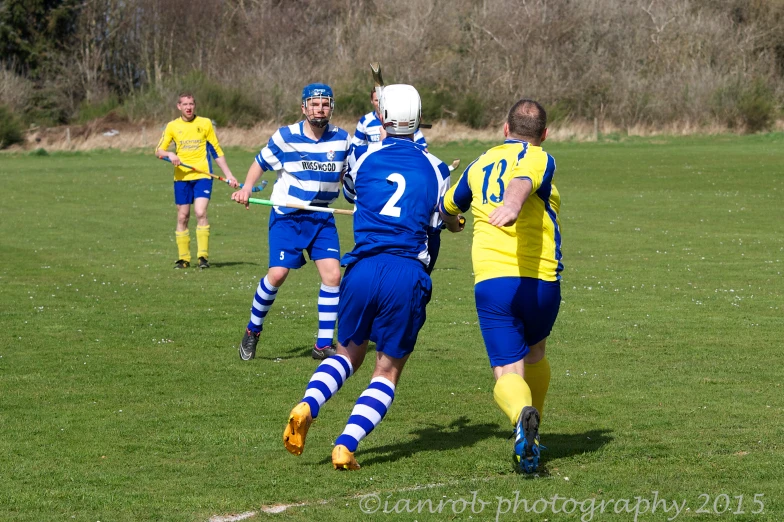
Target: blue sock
(371, 407)
(326, 381)
(262, 301)
(329, 297)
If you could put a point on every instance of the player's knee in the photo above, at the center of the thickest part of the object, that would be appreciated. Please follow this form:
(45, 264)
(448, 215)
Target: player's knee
(331, 278)
(277, 275)
(536, 352)
(355, 353)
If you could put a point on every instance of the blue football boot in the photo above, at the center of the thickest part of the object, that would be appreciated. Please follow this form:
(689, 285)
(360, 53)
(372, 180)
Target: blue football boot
(526, 441)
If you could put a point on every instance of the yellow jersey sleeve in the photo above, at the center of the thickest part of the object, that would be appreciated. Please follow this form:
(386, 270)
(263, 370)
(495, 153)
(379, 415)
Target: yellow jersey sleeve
(166, 138)
(531, 167)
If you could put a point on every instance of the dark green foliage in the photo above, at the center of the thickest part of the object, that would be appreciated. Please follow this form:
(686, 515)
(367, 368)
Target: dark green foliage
(437, 103)
(225, 104)
(756, 106)
(92, 111)
(11, 131)
(471, 110)
(558, 112)
(32, 31)
(353, 103)
(749, 106)
(48, 105)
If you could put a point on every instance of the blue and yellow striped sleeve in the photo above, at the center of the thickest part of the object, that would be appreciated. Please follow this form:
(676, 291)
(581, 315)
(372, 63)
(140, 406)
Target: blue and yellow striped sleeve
(537, 167)
(212, 142)
(458, 198)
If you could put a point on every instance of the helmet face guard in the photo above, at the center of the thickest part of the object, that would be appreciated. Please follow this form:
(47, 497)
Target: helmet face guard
(318, 103)
(401, 109)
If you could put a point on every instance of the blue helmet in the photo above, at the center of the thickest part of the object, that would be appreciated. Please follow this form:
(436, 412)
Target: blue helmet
(318, 90)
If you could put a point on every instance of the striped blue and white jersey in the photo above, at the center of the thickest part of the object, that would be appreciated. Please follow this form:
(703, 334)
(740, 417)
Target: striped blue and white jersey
(369, 131)
(397, 186)
(308, 171)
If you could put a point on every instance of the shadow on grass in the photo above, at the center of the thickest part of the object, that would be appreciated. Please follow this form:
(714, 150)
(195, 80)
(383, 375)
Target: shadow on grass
(298, 351)
(565, 445)
(227, 264)
(562, 445)
(458, 434)
(284, 355)
(461, 434)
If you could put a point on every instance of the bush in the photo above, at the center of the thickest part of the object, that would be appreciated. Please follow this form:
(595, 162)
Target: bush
(559, 112)
(355, 102)
(471, 111)
(352, 103)
(48, 106)
(724, 104)
(436, 103)
(748, 106)
(756, 107)
(92, 111)
(222, 104)
(11, 130)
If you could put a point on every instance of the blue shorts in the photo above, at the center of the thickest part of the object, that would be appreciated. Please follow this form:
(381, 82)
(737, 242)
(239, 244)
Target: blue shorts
(383, 298)
(514, 314)
(290, 235)
(186, 191)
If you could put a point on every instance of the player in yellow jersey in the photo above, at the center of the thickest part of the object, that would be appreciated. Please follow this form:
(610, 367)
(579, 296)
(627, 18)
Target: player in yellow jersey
(196, 146)
(516, 255)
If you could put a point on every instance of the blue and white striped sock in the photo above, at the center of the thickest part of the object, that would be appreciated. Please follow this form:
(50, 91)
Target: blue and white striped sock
(326, 381)
(262, 301)
(371, 407)
(329, 297)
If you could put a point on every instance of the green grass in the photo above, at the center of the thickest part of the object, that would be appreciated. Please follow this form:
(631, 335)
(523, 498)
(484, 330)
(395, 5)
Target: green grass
(122, 396)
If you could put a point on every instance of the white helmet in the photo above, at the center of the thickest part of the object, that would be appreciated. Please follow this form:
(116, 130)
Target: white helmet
(401, 109)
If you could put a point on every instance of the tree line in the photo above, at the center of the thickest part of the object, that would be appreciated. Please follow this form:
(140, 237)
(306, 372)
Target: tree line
(625, 62)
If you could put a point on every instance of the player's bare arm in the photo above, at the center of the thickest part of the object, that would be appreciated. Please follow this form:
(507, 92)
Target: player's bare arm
(224, 166)
(514, 197)
(243, 195)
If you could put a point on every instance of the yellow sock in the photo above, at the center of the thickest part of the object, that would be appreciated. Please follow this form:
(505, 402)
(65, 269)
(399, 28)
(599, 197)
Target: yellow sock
(511, 393)
(183, 244)
(537, 376)
(203, 241)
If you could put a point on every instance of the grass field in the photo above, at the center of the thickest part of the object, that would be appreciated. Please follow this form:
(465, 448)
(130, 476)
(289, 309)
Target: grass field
(122, 396)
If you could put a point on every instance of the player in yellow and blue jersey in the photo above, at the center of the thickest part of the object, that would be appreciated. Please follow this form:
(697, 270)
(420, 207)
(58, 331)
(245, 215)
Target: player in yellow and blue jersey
(516, 256)
(196, 145)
